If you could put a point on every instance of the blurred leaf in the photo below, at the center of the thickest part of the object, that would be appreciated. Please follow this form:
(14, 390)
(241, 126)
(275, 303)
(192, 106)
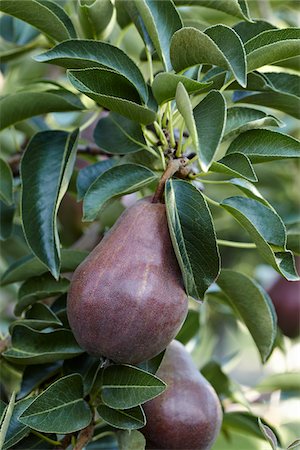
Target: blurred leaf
(6, 419)
(185, 108)
(45, 15)
(6, 220)
(236, 8)
(152, 365)
(35, 375)
(133, 440)
(210, 132)
(94, 16)
(117, 135)
(16, 430)
(265, 145)
(3, 406)
(193, 236)
(246, 297)
(288, 381)
(248, 30)
(235, 164)
(79, 54)
(6, 183)
(294, 444)
(165, 84)
(272, 46)
(113, 91)
(60, 408)
(86, 366)
(161, 20)
(88, 175)
(266, 230)
(128, 419)
(23, 105)
(118, 180)
(218, 45)
(250, 190)
(240, 119)
(30, 266)
(46, 169)
(124, 387)
(38, 317)
(214, 374)
(244, 423)
(268, 434)
(189, 328)
(37, 347)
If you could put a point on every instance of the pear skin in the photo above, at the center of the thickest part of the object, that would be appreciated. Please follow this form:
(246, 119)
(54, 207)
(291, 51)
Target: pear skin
(126, 300)
(188, 414)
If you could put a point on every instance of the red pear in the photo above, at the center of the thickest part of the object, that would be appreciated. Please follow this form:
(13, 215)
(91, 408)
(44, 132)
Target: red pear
(188, 415)
(126, 300)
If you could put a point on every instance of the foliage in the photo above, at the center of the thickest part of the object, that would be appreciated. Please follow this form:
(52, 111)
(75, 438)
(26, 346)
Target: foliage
(193, 102)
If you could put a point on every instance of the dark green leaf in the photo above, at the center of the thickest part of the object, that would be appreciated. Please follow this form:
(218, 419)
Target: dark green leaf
(161, 20)
(235, 164)
(113, 91)
(118, 180)
(210, 132)
(35, 375)
(265, 145)
(88, 175)
(128, 419)
(165, 84)
(86, 366)
(46, 16)
(248, 30)
(246, 297)
(46, 169)
(189, 328)
(250, 190)
(30, 266)
(7, 415)
(37, 347)
(38, 317)
(124, 387)
(37, 288)
(193, 236)
(60, 408)
(268, 434)
(231, 7)
(214, 374)
(6, 183)
(243, 422)
(117, 135)
(267, 231)
(218, 45)
(6, 220)
(152, 365)
(16, 430)
(94, 16)
(23, 105)
(78, 54)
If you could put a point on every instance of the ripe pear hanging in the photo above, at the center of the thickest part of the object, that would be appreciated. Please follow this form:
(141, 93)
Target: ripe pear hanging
(126, 300)
(188, 414)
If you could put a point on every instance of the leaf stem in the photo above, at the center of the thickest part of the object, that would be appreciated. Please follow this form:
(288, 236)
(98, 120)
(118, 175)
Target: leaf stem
(236, 244)
(103, 434)
(161, 134)
(150, 66)
(179, 148)
(192, 160)
(89, 121)
(211, 181)
(170, 125)
(45, 438)
(210, 200)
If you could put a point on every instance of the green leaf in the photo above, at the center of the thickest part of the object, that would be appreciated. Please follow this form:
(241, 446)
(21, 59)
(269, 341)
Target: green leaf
(243, 422)
(234, 8)
(38, 317)
(88, 175)
(248, 30)
(16, 430)
(193, 236)
(210, 132)
(185, 108)
(268, 434)
(117, 135)
(124, 387)
(17, 107)
(36, 347)
(235, 164)
(133, 440)
(80, 54)
(60, 408)
(6, 220)
(218, 45)
(128, 419)
(189, 328)
(287, 381)
(152, 365)
(6, 183)
(165, 84)
(246, 297)
(86, 366)
(6, 419)
(272, 46)
(250, 190)
(46, 16)
(161, 20)
(46, 169)
(35, 375)
(37, 288)
(117, 181)
(266, 230)
(94, 16)
(214, 374)
(113, 91)
(265, 145)
(294, 444)
(30, 266)
(240, 119)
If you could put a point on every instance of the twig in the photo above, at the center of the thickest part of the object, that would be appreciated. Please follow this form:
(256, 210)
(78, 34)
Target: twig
(84, 437)
(172, 167)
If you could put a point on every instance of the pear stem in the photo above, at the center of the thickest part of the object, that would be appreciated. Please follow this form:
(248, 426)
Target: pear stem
(172, 167)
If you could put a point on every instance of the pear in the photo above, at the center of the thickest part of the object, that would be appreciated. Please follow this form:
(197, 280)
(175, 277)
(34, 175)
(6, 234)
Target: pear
(188, 414)
(126, 300)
